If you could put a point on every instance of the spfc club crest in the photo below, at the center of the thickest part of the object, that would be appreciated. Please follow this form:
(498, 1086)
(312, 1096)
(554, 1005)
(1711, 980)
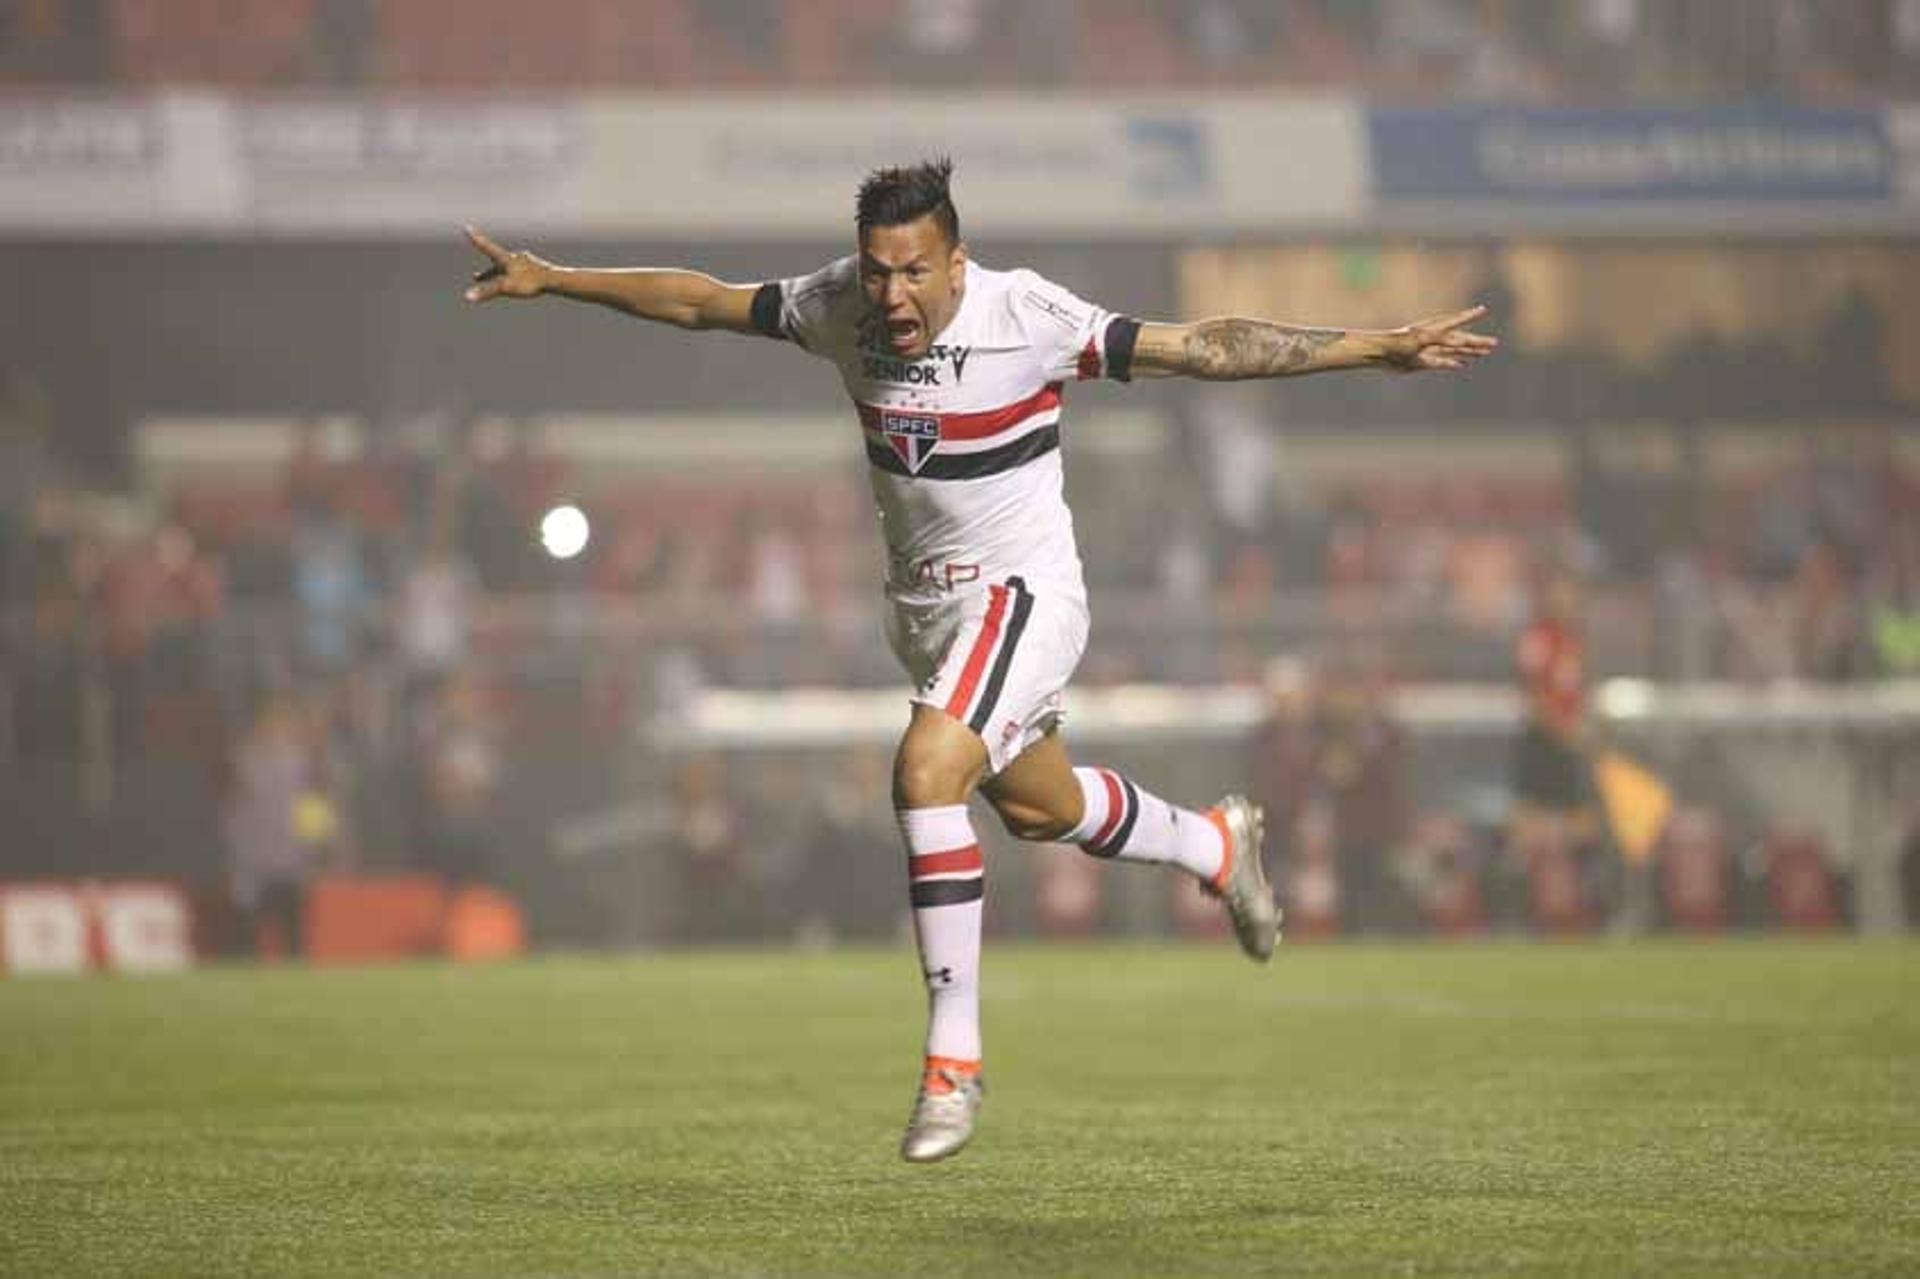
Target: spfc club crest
(914, 436)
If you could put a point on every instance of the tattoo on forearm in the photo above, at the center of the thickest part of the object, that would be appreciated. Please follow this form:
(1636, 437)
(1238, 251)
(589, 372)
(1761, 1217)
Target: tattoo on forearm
(1234, 348)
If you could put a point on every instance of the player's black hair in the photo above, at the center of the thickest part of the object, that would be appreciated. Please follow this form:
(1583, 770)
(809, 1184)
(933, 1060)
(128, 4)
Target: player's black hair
(897, 196)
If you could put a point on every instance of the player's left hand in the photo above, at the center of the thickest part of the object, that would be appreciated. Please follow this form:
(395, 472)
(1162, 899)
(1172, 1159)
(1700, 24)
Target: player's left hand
(1443, 342)
(509, 273)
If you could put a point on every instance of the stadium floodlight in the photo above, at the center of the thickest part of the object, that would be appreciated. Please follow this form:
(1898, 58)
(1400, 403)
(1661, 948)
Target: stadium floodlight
(564, 532)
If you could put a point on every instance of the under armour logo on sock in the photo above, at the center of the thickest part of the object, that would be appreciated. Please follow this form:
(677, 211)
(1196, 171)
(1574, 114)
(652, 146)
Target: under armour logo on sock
(942, 975)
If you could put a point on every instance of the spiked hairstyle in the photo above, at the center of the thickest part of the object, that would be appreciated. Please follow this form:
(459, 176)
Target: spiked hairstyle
(896, 196)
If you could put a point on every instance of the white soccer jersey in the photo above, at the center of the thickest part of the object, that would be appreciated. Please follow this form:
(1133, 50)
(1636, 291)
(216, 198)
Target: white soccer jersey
(964, 442)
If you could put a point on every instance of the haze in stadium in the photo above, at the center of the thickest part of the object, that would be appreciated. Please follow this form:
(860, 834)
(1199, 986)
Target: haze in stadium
(473, 734)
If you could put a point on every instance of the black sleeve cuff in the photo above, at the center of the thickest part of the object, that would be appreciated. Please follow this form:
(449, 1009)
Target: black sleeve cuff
(1122, 332)
(766, 310)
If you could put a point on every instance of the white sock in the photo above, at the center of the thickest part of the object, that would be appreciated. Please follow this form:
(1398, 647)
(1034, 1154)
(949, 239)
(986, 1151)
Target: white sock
(947, 881)
(1121, 820)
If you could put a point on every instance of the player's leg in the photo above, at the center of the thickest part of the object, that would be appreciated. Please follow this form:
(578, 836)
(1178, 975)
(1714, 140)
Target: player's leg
(988, 668)
(937, 767)
(1041, 796)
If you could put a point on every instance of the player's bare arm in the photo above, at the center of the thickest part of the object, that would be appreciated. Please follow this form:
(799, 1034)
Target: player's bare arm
(686, 299)
(1232, 348)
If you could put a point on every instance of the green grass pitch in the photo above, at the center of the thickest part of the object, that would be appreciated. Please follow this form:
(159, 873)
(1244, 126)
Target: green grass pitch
(1738, 1108)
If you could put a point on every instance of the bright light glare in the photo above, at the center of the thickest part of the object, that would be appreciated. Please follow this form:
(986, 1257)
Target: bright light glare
(1625, 698)
(564, 532)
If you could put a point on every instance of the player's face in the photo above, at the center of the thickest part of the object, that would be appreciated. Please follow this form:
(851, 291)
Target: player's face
(913, 279)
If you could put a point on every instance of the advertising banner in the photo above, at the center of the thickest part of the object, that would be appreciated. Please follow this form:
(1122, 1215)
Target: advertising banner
(718, 166)
(1026, 166)
(1722, 155)
(753, 167)
(79, 927)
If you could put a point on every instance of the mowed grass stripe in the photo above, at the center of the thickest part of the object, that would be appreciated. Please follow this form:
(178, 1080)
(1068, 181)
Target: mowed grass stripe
(1735, 1108)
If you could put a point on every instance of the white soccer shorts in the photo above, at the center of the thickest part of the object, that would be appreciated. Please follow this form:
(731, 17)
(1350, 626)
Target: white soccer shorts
(996, 659)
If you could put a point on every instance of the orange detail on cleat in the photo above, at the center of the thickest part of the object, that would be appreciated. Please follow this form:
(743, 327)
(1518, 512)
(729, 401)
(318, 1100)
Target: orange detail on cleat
(1219, 820)
(934, 1082)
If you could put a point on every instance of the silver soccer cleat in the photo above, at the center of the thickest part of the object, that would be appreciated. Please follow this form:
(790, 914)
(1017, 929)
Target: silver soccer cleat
(942, 1121)
(1249, 898)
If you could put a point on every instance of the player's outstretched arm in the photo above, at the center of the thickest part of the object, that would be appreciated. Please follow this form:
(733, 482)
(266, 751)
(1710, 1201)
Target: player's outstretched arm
(687, 299)
(1232, 348)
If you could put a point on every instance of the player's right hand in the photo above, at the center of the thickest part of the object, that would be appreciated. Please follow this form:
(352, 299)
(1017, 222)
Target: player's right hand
(508, 274)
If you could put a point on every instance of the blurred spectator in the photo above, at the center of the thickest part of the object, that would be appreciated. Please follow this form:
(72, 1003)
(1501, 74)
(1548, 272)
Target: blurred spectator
(1486, 574)
(1311, 891)
(1892, 607)
(1904, 20)
(1695, 872)
(494, 479)
(438, 594)
(1442, 869)
(281, 823)
(1329, 766)
(52, 41)
(940, 39)
(26, 470)
(1234, 436)
(1230, 38)
(849, 883)
(1800, 883)
(1825, 617)
(776, 576)
(56, 732)
(160, 597)
(332, 590)
(1556, 831)
(1280, 763)
(720, 893)
(462, 759)
(1359, 776)
(341, 34)
(1186, 588)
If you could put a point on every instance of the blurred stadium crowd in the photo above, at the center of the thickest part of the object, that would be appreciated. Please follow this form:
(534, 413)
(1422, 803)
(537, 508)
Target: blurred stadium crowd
(336, 643)
(371, 635)
(1529, 50)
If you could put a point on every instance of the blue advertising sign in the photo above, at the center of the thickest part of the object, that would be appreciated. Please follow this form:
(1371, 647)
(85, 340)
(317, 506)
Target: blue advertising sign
(1567, 155)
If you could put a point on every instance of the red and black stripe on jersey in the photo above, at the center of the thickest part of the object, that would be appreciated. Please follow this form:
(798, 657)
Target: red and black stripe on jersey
(970, 466)
(970, 429)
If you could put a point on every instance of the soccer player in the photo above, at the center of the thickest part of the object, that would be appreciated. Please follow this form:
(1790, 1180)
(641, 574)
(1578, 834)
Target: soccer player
(956, 373)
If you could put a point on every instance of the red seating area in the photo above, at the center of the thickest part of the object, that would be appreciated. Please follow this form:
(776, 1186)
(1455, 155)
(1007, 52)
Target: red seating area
(1527, 500)
(555, 45)
(1555, 50)
(238, 43)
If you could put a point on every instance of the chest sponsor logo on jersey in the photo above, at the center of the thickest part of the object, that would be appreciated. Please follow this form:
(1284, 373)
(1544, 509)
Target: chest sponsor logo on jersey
(914, 436)
(931, 369)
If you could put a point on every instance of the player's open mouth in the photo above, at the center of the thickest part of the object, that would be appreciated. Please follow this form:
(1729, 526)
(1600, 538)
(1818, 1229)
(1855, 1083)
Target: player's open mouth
(902, 334)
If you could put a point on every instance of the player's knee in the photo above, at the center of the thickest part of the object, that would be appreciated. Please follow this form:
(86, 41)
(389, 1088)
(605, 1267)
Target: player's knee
(1032, 823)
(928, 779)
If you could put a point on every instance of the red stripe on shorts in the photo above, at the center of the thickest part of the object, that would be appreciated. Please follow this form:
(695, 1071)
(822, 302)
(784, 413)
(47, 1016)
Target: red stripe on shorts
(977, 659)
